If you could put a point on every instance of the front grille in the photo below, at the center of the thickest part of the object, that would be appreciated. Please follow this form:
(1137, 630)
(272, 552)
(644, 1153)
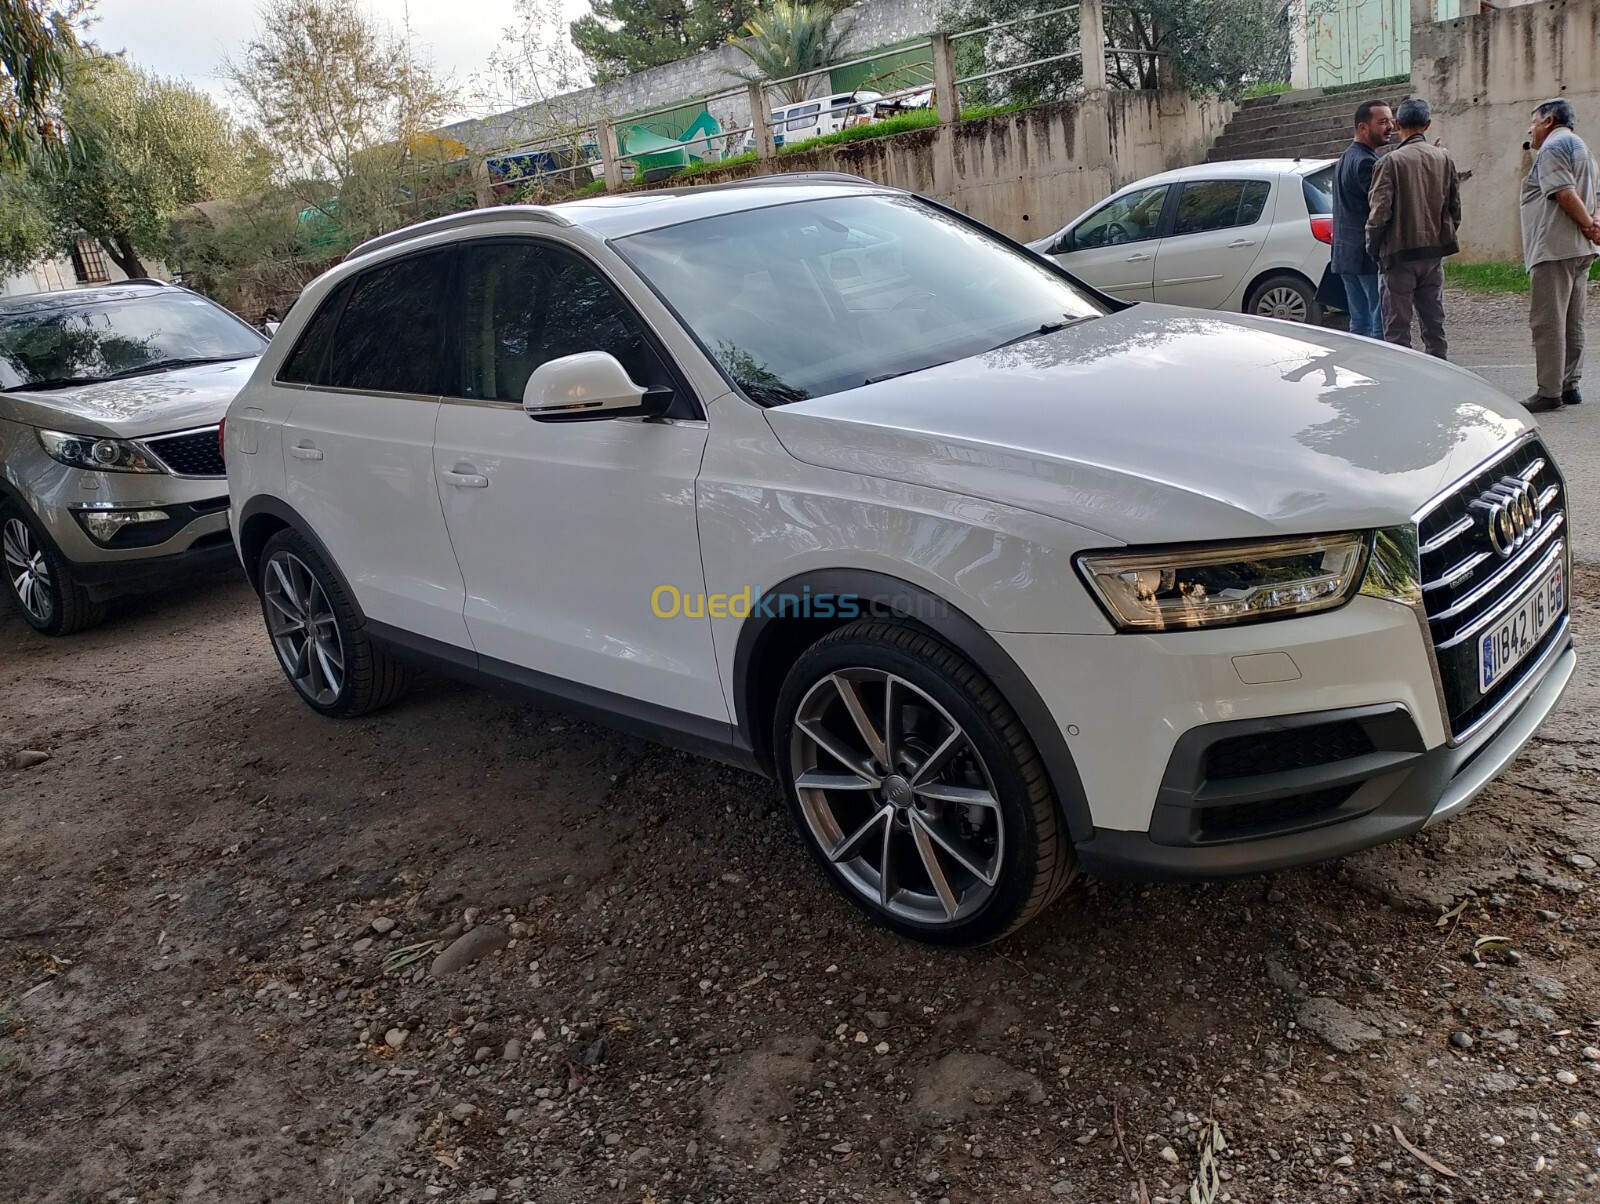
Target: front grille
(1274, 816)
(191, 454)
(1468, 585)
(1294, 748)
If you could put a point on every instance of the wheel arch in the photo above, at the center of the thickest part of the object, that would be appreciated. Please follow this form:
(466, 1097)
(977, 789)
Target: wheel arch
(767, 647)
(1266, 274)
(263, 517)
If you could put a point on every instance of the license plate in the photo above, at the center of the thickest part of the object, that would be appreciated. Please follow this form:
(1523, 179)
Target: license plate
(1508, 641)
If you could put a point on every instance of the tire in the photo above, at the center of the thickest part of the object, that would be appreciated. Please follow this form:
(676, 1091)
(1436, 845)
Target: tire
(1285, 296)
(318, 635)
(964, 791)
(39, 580)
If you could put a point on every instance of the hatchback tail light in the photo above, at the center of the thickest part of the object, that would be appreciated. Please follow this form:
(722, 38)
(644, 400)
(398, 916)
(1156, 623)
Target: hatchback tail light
(1322, 229)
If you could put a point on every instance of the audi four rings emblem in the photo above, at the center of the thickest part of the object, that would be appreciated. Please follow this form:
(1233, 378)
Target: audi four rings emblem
(1511, 508)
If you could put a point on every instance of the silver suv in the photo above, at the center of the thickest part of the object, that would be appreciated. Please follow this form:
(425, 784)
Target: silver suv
(111, 472)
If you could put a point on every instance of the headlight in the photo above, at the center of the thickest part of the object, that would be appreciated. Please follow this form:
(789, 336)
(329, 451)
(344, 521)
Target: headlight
(1209, 586)
(98, 455)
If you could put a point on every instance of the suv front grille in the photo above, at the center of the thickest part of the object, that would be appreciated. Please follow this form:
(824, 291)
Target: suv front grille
(1468, 585)
(191, 454)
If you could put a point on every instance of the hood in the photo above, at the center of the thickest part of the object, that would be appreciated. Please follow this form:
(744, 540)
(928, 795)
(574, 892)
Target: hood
(1158, 424)
(136, 407)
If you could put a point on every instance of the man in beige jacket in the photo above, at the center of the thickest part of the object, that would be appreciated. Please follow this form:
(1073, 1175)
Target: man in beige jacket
(1559, 231)
(1411, 227)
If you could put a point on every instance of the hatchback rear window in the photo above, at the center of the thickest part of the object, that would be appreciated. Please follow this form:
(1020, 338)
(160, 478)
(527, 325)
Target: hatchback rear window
(1318, 187)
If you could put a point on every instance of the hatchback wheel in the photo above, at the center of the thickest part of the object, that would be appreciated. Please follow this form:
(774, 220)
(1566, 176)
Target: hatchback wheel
(41, 583)
(318, 635)
(1287, 297)
(916, 787)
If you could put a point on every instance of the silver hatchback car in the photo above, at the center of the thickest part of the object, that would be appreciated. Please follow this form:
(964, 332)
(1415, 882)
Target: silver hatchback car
(111, 470)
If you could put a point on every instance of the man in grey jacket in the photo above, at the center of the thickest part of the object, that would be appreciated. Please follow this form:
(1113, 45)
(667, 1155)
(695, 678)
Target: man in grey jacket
(1416, 209)
(1559, 231)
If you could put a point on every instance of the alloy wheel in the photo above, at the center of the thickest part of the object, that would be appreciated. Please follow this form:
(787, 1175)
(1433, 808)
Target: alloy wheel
(897, 796)
(304, 631)
(1283, 302)
(28, 571)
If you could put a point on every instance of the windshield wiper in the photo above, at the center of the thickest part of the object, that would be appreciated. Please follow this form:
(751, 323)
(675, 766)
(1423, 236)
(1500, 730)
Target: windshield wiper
(57, 382)
(873, 380)
(1046, 328)
(168, 365)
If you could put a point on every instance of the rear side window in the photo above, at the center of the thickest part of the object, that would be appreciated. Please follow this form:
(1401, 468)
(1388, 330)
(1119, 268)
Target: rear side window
(307, 363)
(525, 303)
(390, 334)
(1318, 189)
(1220, 205)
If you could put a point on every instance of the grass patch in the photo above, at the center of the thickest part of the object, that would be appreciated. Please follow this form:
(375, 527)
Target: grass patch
(1371, 85)
(593, 188)
(1495, 277)
(1267, 87)
(700, 166)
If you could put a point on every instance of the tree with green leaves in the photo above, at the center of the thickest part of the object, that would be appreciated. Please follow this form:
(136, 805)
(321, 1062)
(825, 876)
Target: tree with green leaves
(619, 37)
(1210, 46)
(38, 42)
(789, 39)
(141, 149)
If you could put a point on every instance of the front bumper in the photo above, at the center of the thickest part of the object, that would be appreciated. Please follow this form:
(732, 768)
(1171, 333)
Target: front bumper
(1419, 791)
(1145, 715)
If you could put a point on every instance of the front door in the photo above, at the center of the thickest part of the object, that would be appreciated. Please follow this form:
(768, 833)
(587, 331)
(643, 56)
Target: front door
(1217, 234)
(358, 445)
(1114, 248)
(1353, 41)
(572, 536)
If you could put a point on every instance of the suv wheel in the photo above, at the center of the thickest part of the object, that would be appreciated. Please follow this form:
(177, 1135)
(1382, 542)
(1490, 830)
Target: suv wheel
(41, 583)
(317, 633)
(1287, 297)
(916, 787)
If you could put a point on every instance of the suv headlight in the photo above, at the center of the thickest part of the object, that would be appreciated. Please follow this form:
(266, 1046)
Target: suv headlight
(97, 455)
(1218, 584)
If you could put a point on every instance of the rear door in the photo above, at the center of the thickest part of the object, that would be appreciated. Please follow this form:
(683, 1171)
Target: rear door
(1218, 231)
(358, 447)
(1114, 248)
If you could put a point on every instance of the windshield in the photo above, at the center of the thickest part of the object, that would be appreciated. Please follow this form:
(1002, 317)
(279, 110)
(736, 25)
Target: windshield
(78, 344)
(808, 299)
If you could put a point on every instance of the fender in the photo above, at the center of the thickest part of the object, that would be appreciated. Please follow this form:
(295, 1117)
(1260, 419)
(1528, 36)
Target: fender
(264, 504)
(913, 604)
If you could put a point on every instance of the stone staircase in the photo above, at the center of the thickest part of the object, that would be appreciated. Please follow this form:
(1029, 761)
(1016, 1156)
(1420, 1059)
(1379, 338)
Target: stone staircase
(1295, 125)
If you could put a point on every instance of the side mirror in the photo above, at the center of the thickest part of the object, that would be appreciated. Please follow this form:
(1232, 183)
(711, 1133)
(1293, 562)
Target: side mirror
(1062, 244)
(589, 386)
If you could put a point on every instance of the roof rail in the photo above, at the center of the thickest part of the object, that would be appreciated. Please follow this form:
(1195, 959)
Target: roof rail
(145, 280)
(781, 178)
(457, 221)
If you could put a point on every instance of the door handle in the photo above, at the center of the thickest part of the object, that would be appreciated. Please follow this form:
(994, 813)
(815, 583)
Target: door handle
(1241, 242)
(305, 452)
(1141, 257)
(466, 480)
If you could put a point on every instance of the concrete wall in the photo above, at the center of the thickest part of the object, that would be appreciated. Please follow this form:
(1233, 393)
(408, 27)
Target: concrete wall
(876, 23)
(1029, 173)
(1483, 74)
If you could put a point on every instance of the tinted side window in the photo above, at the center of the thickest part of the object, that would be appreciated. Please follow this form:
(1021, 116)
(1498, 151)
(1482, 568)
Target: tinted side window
(526, 303)
(1131, 218)
(306, 363)
(389, 336)
(1210, 205)
(1254, 203)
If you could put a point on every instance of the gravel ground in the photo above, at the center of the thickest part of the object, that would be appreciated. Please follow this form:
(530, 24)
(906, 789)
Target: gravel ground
(466, 950)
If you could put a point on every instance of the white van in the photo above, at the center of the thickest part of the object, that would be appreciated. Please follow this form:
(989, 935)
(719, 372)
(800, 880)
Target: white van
(819, 116)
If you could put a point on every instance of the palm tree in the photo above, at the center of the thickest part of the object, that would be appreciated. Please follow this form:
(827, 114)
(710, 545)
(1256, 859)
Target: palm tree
(790, 38)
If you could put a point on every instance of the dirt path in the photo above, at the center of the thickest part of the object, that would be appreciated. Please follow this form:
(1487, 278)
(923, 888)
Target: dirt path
(194, 1003)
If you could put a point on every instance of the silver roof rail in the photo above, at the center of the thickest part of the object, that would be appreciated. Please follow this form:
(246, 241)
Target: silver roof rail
(457, 221)
(779, 179)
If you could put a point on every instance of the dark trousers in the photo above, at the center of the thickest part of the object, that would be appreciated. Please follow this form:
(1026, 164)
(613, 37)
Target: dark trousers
(1414, 289)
